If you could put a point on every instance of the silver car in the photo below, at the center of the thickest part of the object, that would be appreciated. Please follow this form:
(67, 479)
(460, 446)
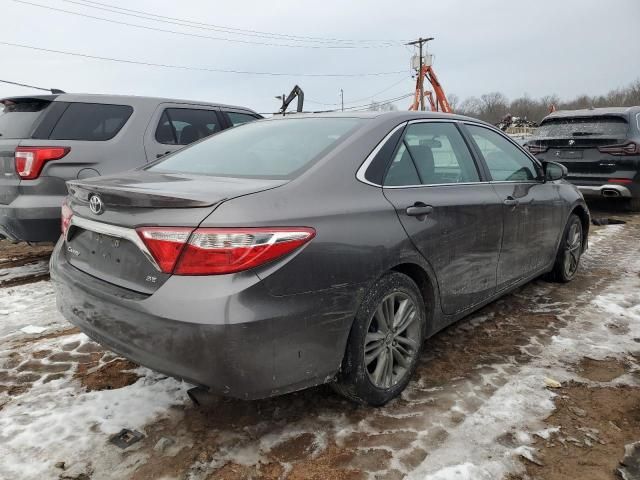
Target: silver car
(49, 139)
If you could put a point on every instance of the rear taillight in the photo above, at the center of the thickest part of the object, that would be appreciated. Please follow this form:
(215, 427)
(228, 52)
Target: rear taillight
(630, 148)
(535, 149)
(30, 160)
(216, 251)
(621, 181)
(165, 244)
(65, 218)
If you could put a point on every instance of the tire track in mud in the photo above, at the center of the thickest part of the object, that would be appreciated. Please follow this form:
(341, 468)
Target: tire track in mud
(315, 434)
(21, 263)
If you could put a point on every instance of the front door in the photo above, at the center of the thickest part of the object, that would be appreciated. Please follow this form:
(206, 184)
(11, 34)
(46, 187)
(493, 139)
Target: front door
(531, 212)
(452, 216)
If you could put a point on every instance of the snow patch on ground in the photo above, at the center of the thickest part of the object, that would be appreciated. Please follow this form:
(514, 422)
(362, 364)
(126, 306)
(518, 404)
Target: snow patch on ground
(33, 304)
(13, 273)
(520, 405)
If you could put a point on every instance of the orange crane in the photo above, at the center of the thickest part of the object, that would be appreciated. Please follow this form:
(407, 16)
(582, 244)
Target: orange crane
(440, 102)
(423, 65)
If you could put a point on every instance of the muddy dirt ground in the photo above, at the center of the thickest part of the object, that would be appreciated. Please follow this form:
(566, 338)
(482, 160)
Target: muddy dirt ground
(483, 404)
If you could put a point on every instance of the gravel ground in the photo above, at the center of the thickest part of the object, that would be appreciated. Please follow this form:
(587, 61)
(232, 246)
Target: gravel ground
(543, 383)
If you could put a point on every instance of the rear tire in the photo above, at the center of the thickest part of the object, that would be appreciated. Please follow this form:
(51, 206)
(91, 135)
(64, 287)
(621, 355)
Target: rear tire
(385, 342)
(569, 252)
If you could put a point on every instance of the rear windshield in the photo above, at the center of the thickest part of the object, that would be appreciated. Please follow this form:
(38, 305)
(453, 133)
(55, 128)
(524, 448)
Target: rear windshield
(582, 127)
(268, 149)
(91, 121)
(18, 118)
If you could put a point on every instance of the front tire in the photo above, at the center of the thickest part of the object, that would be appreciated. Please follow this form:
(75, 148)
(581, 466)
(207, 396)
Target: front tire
(385, 342)
(569, 252)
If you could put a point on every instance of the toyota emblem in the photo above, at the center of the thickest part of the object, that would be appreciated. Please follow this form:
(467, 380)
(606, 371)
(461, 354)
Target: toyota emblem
(95, 204)
(572, 142)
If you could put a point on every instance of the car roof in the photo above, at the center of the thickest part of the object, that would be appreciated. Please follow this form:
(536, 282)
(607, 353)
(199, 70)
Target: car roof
(595, 112)
(118, 99)
(398, 115)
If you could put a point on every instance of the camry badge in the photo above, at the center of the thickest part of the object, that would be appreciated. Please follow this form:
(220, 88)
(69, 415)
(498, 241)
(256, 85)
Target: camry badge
(95, 204)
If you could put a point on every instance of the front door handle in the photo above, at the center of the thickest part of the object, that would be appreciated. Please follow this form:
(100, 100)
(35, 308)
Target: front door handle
(160, 155)
(419, 209)
(511, 202)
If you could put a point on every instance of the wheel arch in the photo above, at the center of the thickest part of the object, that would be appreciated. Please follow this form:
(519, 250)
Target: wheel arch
(427, 287)
(585, 219)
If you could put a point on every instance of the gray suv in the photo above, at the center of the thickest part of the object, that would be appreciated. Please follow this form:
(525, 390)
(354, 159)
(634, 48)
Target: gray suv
(49, 139)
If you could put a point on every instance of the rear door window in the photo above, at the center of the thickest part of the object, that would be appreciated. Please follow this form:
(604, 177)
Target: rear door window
(432, 153)
(236, 118)
(182, 126)
(93, 122)
(18, 117)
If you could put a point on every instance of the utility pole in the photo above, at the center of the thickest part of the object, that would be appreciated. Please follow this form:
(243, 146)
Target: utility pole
(419, 43)
(342, 99)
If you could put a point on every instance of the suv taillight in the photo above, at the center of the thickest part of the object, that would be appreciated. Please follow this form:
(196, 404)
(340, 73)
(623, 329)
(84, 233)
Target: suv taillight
(65, 217)
(216, 251)
(30, 160)
(535, 149)
(630, 148)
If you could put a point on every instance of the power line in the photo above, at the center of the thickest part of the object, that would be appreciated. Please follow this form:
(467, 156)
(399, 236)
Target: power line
(365, 107)
(232, 30)
(366, 97)
(187, 34)
(201, 69)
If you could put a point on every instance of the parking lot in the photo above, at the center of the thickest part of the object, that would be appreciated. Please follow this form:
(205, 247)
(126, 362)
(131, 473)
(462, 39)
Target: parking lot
(485, 382)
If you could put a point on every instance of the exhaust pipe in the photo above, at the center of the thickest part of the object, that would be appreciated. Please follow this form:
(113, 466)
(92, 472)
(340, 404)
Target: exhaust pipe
(610, 192)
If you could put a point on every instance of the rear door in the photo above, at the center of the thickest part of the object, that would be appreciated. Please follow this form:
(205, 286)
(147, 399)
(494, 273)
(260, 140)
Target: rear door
(451, 213)
(532, 211)
(175, 125)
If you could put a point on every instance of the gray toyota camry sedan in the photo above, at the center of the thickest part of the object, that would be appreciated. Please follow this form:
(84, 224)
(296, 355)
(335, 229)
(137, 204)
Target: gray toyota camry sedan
(311, 249)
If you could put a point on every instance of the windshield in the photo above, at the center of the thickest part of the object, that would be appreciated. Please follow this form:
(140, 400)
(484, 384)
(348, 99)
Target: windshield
(265, 149)
(17, 118)
(582, 127)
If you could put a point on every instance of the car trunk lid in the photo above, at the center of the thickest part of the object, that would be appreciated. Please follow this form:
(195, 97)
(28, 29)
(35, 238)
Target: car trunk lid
(104, 242)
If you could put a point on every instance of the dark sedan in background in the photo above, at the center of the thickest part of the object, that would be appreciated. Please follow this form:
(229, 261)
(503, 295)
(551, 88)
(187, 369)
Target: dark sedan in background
(308, 249)
(599, 146)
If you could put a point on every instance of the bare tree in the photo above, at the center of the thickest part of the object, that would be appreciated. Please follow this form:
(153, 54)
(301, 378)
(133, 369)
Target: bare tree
(493, 107)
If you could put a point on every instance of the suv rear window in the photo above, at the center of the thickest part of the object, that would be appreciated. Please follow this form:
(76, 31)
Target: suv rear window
(91, 121)
(18, 117)
(267, 149)
(570, 127)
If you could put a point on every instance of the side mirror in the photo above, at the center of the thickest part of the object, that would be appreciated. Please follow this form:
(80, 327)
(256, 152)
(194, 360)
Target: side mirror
(554, 171)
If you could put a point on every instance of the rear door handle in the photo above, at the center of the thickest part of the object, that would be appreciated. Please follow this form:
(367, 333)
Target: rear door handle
(511, 202)
(419, 209)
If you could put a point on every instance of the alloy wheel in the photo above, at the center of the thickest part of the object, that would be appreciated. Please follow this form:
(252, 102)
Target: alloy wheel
(392, 340)
(573, 248)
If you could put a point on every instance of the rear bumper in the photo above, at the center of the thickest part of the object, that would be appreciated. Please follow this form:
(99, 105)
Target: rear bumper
(606, 190)
(31, 219)
(224, 332)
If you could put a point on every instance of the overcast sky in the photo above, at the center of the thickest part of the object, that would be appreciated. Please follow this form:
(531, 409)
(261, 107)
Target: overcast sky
(564, 47)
